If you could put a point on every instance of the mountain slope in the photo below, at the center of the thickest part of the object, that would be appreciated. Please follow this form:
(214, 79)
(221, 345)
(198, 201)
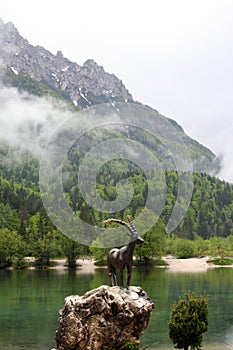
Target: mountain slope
(83, 85)
(39, 72)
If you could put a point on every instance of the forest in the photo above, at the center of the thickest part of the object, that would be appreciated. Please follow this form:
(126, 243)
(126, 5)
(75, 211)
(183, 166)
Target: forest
(26, 230)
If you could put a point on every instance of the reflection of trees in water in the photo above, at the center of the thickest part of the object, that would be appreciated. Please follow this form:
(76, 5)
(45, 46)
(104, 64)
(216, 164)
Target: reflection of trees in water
(34, 298)
(164, 287)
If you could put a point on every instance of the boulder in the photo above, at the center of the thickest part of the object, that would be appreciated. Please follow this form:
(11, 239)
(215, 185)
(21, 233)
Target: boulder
(103, 318)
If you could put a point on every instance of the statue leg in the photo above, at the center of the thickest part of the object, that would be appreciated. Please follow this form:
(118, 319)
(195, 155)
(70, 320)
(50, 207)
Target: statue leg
(112, 276)
(129, 269)
(114, 279)
(122, 278)
(128, 280)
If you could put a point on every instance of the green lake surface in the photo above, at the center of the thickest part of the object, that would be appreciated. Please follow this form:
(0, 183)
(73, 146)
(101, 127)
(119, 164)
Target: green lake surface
(30, 301)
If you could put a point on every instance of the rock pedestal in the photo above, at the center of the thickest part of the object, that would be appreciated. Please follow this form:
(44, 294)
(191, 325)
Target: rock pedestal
(103, 318)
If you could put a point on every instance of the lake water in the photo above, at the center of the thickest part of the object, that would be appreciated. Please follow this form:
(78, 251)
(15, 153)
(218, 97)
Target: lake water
(30, 301)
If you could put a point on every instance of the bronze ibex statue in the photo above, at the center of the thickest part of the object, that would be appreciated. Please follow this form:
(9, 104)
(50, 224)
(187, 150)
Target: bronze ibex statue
(118, 259)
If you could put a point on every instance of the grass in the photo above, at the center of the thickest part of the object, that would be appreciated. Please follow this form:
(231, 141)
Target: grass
(101, 263)
(221, 261)
(151, 262)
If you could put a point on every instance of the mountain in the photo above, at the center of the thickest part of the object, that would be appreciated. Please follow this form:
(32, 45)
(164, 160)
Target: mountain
(83, 85)
(38, 71)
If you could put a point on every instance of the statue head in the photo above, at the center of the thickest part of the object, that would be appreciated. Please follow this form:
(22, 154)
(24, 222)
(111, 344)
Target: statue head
(133, 233)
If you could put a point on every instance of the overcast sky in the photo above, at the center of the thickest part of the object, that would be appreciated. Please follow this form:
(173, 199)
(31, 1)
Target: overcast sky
(174, 55)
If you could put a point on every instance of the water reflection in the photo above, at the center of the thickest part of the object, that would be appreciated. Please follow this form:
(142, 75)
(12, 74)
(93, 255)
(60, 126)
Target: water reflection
(30, 300)
(229, 338)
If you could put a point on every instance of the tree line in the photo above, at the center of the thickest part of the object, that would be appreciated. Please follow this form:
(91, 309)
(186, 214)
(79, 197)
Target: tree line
(26, 230)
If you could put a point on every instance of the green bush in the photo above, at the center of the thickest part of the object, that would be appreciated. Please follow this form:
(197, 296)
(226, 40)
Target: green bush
(188, 321)
(130, 346)
(20, 263)
(184, 249)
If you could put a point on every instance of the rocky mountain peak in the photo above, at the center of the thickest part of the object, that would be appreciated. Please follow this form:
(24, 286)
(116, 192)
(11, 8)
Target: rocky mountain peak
(83, 85)
(91, 63)
(7, 27)
(10, 42)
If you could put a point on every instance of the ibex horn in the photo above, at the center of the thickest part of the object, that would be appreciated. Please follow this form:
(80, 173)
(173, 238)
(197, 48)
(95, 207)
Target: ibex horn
(132, 226)
(119, 222)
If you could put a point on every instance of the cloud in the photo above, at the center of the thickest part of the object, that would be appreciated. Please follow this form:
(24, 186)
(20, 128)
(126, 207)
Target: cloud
(28, 121)
(223, 141)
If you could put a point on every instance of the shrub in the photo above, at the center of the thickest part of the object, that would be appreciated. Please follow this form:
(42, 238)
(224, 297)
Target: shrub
(184, 249)
(188, 321)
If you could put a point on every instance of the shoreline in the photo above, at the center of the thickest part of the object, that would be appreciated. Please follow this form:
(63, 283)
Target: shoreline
(87, 265)
(83, 264)
(188, 265)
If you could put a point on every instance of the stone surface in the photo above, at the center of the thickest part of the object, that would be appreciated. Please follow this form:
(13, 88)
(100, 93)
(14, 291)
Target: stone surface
(103, 318)
(83, 85)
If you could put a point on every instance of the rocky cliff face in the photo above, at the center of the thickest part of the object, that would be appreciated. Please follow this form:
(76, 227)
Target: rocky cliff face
(83, 85)
(32, 68)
